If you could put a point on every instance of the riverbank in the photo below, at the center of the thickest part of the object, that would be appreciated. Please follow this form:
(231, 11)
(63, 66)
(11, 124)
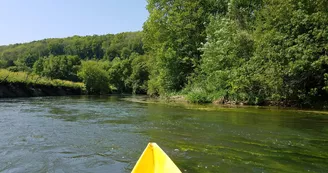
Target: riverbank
(35, 90)
(181, 98)
(181, 101)
(21, 84)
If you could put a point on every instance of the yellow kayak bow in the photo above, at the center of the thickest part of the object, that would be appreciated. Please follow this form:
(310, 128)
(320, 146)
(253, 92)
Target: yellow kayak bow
(154, 160)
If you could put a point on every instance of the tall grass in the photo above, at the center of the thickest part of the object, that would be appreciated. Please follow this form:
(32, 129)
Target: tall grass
(23, 77)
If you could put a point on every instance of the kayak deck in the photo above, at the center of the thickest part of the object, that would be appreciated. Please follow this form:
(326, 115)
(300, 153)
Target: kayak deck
(155, 160)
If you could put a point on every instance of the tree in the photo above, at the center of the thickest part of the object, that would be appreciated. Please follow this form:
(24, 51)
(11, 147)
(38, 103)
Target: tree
(119, 74)
(123, 45)
(38, 67)
(223, 72)
(86, 47)
(55, 47)
(26, 60)
(95, 77)
(140, 74)
(173, 33)
(58, 67)
(292, 40)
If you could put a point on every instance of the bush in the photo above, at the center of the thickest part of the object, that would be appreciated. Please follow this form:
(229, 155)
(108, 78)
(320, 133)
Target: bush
(199, 96)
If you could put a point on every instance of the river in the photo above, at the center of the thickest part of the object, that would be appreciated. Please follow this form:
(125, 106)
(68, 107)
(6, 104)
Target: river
(108, 134)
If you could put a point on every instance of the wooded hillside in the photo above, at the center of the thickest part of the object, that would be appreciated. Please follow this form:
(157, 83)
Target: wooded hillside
(236, 51)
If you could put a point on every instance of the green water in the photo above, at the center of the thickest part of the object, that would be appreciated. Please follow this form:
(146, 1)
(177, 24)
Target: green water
(108, 134)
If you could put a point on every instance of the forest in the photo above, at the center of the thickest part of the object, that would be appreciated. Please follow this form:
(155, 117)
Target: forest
(255, 52)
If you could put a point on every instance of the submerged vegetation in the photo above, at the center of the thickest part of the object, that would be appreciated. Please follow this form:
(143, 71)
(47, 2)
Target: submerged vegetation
(225, 51)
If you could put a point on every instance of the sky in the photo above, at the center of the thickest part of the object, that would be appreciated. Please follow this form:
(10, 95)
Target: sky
(28, 20)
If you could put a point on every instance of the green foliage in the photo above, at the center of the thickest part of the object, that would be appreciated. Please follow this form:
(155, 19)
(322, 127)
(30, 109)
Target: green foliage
(139, 74)
(26, 61)
(123, 45)
(243, 12)
(291, 41)
(166, 73)
(226, 52)
(28, 78)
(56, 47)
(3, 64)
(198, 97)
(58, 67)
(95, 77)
(88, 47)
(38, 67)
(173, 33)
(238, 51)
(61, 59)
(264, 51)
(119, 74)
(15, 69)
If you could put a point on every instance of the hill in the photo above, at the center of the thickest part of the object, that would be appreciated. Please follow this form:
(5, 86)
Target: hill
(85, 47)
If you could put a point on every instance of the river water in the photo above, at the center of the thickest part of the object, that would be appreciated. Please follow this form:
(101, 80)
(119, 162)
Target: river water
(108, 134)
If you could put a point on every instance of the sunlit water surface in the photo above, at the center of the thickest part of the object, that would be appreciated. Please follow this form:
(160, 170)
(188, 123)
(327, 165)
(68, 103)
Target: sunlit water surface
(108, 134)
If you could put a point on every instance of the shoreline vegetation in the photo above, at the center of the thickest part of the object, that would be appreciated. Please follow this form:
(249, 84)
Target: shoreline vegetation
(21, 84)
(180, 101)
(234, 52)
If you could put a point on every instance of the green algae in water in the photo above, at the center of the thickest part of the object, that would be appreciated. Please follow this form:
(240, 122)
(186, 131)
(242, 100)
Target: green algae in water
(107, 134)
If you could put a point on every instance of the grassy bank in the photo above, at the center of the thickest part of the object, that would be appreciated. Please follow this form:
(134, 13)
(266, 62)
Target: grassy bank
(32, 79)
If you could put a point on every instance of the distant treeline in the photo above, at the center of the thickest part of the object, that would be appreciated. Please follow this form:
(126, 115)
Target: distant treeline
(110, 61)
(236, 51)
